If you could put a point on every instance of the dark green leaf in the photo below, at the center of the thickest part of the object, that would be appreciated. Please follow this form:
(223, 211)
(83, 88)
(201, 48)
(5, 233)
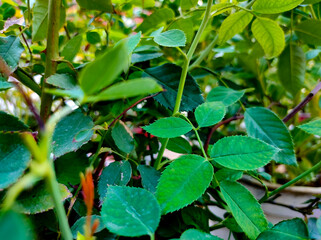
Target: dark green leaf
(100, 5)
(80, 223)
(308, 32)
(209, 113)
(183, 182)
(313, 127)
(171, 38)
(179, 145)
(64, 81)
(311, 1)
(71, 48)
(225, 95)
(245, 208)
(242, 153)
(66, 131)
(93, 37)
(168, 127)
(263, 124)
(123, 137)
(131, 212)
(14, 226)
(150, 177)
(10, 50)
(227, 174)
(168, 76)
(115, 174)
(39, 199)
(275, 6)
(197, 217)
(11, 123)
(197, 235)
(14, 158)
(104, 70)
(294, 229)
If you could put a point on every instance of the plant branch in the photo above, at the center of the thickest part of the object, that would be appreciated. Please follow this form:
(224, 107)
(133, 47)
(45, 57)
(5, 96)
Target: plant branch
(303, 103)
(52, 55)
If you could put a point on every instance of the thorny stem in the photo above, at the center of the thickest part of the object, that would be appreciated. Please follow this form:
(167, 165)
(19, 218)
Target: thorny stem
(51, 56)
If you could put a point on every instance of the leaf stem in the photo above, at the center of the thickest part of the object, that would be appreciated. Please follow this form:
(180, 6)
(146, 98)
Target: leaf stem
(52, 55)
(160, 154)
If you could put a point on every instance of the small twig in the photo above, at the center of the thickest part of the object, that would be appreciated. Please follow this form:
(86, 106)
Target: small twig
(25, 40)
(303, 103)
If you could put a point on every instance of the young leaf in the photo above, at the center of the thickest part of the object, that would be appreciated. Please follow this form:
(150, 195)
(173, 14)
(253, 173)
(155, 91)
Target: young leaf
(313, 127)
(245, 208)
(168, 76)
(197, 235)
(115, 174)
(270, 36)
(150, 177)
(66, 131)
(130, 88)
(183, 181)
(171, 38)
(80, 223)
(14, 226)
(39, 199)
(71, 48)
(242, 153)
(131, 212)
(291, 68)
(11, 50)
(168, 127)
(209, 113)
(234, 24)
(100, 5)
(179, 145)
(275, 6)
(225, 95)
(104, 70)
(11, 123)
(293, 229)
(15, 158)
(308, 32)
(123, 137)
(264, 124)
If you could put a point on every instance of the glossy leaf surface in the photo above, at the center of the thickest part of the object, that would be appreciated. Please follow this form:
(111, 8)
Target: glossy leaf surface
(313, 127)
(225, 95)
(209, 113)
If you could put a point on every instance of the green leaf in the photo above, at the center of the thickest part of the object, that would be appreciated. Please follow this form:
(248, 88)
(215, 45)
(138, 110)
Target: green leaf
(14, 226)
(183, 182)
(150, 177)
(242, 153)
(14, 158)
(130, 88)
(168, 127)
(227, 174)
(293, 229)
(142, 57)
(184, 24)
(197, 235)
(40, 20)
(245, 208)
(71, 48)
(11, 123)
(308, 32)
(123, 137)
(63, 140)
(62, 80)
(187, 4)
(81, 222)
(131, 212)
(93, 37)
(234, 24)
(179, 145)
(133, 41)
(318, 224)
(311, 1)
(104, 70)
(270, 36)
(225, 95)
(291, 69)
(313, 127)
(39, 199)
(275, 6)
(11, 50)
(100, 5)
(209, 113)
(171, 38)
(4, 85)
(264, 124)
(168, 76)
(155, 19)
(115, 174)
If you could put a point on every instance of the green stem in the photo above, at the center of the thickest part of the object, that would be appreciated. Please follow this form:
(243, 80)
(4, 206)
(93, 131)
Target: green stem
(152, 236)
(52, 55)
(160, 154)
(293, 181)
(59, 208)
